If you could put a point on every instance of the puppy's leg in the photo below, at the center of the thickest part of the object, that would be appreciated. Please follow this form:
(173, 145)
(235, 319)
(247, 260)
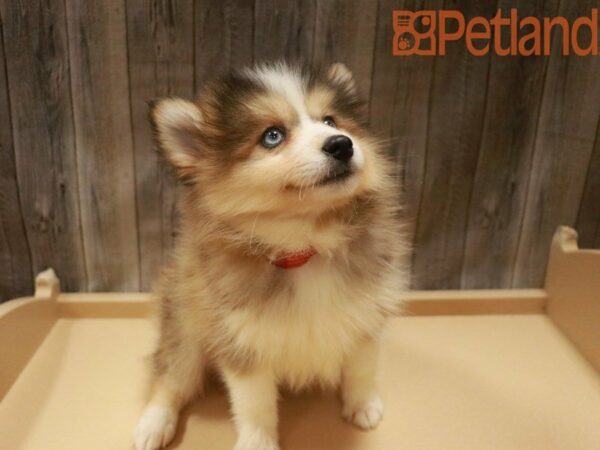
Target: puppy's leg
(253, 398)
(178, 377)
(362, 405)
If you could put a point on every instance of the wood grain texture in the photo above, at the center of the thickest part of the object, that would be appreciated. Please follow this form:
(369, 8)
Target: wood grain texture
(588, 218)
(15, 262)
(495, 214)
(455, 121)
(100, 91)
(493, 152)
(284, 30)
(564, 143)
(399, 109)
(42, 127)
(345, 32)
(160, 39)
(224, 37)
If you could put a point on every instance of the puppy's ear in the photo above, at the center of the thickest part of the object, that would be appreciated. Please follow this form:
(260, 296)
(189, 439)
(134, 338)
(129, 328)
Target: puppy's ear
(340, 75)
(176, 123)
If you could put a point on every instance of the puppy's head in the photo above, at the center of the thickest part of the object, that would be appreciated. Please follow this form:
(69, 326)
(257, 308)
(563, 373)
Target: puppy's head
(271, 140)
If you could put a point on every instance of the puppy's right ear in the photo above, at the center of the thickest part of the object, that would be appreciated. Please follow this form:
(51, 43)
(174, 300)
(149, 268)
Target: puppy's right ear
(176, 123)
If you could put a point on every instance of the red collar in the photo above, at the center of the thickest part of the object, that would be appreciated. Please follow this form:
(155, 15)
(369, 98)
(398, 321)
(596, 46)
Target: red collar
(295, 259)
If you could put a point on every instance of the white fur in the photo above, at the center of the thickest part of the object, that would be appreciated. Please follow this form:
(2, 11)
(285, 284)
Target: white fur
(305, 338)
(365, 415)
(311, 338)
(254, 404)
(362, 405)
(155, 428)
(286, 81)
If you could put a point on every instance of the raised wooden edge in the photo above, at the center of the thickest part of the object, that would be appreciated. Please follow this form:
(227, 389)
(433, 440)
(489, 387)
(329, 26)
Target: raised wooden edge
(24, 324)
(573, 287)
(416, 303)
(471, 302)
(517, 301)
(106, 305)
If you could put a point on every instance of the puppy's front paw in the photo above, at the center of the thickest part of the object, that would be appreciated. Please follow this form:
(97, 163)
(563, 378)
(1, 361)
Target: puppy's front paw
(365, 414)
(155, 428)
(256, 440)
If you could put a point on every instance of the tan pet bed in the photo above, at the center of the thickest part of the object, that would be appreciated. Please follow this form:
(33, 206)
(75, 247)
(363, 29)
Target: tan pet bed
(466, 370)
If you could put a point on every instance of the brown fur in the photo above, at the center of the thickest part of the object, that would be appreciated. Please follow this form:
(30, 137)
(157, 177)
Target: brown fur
(223, 303)
(190, 284)
(210, 245)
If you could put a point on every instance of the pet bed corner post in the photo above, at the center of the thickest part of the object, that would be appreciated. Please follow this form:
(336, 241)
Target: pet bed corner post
(24, 324)
(47, 285)
(573, 287)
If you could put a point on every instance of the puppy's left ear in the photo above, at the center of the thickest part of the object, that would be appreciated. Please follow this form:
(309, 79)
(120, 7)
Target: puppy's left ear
(340, 75)
(176, 124)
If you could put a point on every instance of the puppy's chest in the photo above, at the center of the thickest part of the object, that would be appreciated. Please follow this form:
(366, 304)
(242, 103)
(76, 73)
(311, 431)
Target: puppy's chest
(305, 331)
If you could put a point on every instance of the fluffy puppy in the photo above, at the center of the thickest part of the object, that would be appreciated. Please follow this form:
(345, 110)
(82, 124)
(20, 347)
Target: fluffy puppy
(288, 262)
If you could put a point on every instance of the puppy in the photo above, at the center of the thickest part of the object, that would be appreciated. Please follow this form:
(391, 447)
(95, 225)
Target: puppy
(289, 258)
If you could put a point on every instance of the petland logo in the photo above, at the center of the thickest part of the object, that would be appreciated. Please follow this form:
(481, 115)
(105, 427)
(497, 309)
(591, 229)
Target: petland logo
(428, 32)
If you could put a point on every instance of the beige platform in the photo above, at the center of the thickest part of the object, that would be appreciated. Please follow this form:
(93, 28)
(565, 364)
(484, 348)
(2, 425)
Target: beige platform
(466, 370)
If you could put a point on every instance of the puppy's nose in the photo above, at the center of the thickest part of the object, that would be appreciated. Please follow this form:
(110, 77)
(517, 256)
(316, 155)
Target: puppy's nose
(339, 146)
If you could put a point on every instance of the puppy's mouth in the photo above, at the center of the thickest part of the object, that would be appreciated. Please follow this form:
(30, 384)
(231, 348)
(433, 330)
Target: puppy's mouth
(336, 176)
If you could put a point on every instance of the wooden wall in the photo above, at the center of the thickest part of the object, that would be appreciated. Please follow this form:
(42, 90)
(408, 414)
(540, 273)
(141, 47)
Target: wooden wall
(495, 151)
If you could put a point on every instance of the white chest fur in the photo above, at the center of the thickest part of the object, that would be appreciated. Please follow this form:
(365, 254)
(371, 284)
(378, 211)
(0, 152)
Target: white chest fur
(304, 334)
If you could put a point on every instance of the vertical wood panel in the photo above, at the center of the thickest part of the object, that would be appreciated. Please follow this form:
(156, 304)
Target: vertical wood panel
(15, 262)
(160, 39)
(563, 148)
(224, 37)
(345, 32)
(42, 127)
(284, 30)
(494, 219)
(457, 105)
(399, 107)
(588, 219)
(98, 59)
(493, 155)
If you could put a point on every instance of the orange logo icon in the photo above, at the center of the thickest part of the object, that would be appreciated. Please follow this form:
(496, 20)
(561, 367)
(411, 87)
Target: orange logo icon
(409, 41)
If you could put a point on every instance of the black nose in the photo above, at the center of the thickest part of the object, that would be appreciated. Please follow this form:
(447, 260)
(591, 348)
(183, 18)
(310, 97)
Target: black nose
(339, 146)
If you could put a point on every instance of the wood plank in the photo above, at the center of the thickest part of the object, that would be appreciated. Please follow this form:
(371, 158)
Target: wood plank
(42, 126)
(284, 30)
(500, 189)
(563, 148)
(224, 37)
(160, 40)
(98, 58)
(455, 123)
(475, 302)
(588, 218)
(416, 303)
(399, 108)
(15, 262)
(345, 32)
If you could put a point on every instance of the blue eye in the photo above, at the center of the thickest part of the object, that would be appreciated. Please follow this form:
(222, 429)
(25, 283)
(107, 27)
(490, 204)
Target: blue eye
(272, 137)
(328, 120)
